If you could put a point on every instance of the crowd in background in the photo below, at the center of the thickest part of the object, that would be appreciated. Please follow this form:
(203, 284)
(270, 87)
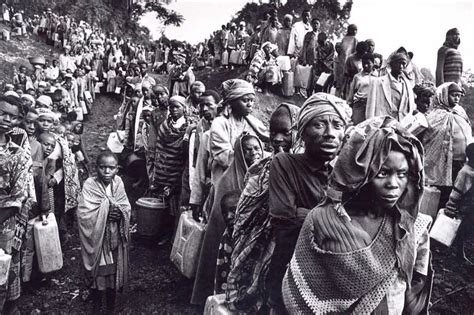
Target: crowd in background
(279, 208)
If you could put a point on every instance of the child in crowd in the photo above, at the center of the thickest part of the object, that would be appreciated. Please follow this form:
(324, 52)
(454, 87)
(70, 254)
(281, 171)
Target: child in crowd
(103, 218)
(357, 95)
(461, 202)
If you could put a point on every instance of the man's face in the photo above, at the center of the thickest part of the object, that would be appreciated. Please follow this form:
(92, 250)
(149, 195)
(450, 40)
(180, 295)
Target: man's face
(456, 38)
(9, 116)
(323, 136)
(315, 24)
(29, 123)
(398, 66)
(208, 108)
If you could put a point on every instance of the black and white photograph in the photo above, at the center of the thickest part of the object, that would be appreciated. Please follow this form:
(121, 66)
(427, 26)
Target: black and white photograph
(229, 157)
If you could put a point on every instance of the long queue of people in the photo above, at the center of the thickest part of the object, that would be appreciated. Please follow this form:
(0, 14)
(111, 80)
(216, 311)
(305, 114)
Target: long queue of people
(318, 213)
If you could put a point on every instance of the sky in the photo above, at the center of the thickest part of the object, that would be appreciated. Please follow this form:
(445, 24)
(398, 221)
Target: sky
(418, 25)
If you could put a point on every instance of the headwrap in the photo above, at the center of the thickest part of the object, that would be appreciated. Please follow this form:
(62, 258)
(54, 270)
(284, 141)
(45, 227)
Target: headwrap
(322, 104)
(272, 46)
(9, 86)
(161, 88)
(12, 93)
(29, 98)
(235, 88)
(178, 99)
(363, 153)
(196, 84)
(46, 112)
(425, 88)
(288, 17)
(455, 88)
(147, 108)
(45, 100)
(452, 31)
(441, 99)
(399, 54)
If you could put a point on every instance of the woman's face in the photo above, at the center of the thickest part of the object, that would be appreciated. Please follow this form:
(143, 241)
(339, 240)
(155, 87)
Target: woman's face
(252, 150)
(391, 181)
(176, 110)
(280, 133)
(243, 105)
(323, 136)
(454, 98)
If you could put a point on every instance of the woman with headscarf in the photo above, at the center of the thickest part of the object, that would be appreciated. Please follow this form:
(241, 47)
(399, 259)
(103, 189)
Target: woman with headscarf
(391, 94)
(365, 249)
(250, 235)
(264, 70)
(248, 150)
(238, 99)
(169, 161)
(298, 181)
(446, 139)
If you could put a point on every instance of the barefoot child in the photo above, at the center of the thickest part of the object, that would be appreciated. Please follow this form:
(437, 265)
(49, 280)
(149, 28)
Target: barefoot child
(103, 218)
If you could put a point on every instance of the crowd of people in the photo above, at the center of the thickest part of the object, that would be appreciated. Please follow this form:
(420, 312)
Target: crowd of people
(317, 213)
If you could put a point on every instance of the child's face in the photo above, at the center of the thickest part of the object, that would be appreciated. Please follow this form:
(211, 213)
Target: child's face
(61, 130)
(45, 123)
(252, 150)
(367, 65)
(107, 168)
(29, 123)
(47, 144)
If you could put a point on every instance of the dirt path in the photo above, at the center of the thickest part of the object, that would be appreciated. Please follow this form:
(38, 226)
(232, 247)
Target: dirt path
(155, 286)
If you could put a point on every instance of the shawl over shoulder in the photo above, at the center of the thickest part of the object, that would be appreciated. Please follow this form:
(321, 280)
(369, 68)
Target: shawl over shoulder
(92, 215)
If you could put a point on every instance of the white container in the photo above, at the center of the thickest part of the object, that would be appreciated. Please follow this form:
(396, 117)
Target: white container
(445, 229)
(6, 35)
(284, 63)
(47, 244)
(187, 244)
(415, 123)
(215, 306)
(430, 201)
(5, 261)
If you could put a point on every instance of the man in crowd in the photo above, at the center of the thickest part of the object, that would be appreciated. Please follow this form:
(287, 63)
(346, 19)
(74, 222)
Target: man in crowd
(449, 63)
(298, 33)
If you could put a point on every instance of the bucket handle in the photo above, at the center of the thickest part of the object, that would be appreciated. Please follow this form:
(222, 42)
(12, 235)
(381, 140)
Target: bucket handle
(44, 219)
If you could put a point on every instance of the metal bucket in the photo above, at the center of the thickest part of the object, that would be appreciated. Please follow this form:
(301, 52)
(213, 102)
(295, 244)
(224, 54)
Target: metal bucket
(150, 215)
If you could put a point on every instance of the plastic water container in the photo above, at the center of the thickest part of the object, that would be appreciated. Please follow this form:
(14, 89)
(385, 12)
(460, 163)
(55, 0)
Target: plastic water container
(6, 35)
(287, 84)
(47, 244)
(430, 201)
(284, 63)
(5, 261)
(215, 306)
(187, 244)
(150, 212)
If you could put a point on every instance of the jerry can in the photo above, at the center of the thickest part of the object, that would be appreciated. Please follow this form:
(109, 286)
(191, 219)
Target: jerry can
(5, 261)
(47, 244)
(215, 306)
(430, 201)
(187, 244)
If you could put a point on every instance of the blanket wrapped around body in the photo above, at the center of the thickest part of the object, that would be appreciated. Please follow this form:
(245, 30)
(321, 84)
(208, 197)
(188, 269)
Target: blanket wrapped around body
(104, 242)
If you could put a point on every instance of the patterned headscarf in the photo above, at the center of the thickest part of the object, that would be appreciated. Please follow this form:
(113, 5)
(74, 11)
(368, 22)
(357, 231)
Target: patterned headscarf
(363, 153)
(322, 104)
(178, 99)
(234, 89)
(441, 99)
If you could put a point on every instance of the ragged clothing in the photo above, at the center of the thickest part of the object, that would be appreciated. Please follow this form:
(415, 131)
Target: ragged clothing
(104, 243)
